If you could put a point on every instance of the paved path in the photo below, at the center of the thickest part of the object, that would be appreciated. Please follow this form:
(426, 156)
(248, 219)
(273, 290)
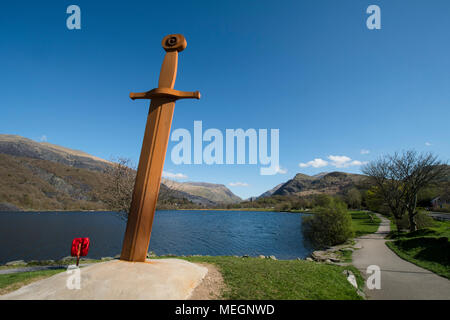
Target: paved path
(159, 279)
(440, 216)
(400, 280)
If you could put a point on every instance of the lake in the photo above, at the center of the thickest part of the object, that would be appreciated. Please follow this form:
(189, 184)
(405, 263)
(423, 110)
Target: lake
(48, 235)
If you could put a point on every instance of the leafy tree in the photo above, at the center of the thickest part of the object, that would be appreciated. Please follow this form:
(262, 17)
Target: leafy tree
(354, 198)
(323, 200)
(374, 201)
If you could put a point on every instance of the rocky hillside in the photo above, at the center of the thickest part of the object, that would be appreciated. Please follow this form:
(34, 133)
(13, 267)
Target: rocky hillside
(329, 183)
(35, 184)
(22, 147)
(42, 176)
(270, 192)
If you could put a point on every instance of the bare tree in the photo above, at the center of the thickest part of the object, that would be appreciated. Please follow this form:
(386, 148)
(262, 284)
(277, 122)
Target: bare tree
(417, 172)
(121, 176)
(400, 177)
(382, 174)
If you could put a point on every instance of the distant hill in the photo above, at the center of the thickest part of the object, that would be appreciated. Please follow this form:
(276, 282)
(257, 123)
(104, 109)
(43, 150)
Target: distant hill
(216, 193)
(42, 176)
(326, 182)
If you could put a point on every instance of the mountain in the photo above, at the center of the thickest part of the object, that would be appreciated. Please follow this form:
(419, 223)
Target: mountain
(23, 147)
(271, 191)
(216, 193)
(325, 182)
(35, 184)
(168, 195)
(42, 176)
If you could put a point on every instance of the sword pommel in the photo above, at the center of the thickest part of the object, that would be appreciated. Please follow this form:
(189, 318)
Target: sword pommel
(174, 42)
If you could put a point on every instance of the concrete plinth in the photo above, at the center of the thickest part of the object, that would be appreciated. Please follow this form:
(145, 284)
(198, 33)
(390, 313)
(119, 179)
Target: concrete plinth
(158, 279)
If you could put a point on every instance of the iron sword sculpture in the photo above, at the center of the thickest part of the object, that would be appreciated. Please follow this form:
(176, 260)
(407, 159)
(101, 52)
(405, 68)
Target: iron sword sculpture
(154, 147)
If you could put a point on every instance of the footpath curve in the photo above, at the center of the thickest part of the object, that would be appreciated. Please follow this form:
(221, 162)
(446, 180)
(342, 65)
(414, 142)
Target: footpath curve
(400, 279)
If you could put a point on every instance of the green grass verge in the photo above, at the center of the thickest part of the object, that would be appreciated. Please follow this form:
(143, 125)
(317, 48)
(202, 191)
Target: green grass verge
(255, 278)
(364, 222)
(11, 282)
(345, 255)
(428, 248)
(51, 263)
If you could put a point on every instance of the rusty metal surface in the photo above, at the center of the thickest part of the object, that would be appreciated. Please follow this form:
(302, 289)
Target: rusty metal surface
(153, 152)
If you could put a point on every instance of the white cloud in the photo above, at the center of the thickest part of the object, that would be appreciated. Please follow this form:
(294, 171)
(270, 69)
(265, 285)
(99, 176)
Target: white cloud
(335, 161)
(344, 161)
(339, 161)
(427, 144)
(281, 170)
(238, 184)
(171, 175)
(365, 151)
(43, 138)
(357, 163)
(316, 163)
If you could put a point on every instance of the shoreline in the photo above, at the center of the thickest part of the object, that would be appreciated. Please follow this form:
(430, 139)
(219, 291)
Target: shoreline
(202, 209)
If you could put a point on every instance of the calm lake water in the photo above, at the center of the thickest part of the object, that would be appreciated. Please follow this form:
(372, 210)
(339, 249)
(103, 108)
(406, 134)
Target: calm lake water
(48, 235)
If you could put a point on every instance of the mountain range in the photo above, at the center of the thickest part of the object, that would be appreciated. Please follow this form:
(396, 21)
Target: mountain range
(43, 176)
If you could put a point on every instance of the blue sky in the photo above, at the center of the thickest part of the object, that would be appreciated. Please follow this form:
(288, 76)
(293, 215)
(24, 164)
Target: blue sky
(311, 69)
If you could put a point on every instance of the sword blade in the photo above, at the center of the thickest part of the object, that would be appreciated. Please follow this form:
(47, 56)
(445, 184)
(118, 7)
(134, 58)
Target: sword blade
(148, 179)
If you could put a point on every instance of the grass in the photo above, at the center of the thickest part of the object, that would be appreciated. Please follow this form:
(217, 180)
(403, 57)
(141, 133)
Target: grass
(428, 248)
(345, 255)
(50, 263)
(364, 222)
(11, 282)
(393, 225)
(261, 279)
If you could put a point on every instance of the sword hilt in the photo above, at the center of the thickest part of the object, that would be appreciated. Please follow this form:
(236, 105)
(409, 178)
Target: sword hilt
(168, 93)
(172, 44)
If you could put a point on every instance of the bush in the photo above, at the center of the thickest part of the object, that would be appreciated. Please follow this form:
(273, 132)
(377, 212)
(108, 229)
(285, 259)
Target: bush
(403, 223)
(423, 220)
(329, 225)
(323, 200)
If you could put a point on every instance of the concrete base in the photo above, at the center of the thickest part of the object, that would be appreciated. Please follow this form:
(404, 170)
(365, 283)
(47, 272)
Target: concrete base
(159, 279)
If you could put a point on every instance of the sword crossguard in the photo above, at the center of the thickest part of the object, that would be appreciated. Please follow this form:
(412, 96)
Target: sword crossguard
(168, 93)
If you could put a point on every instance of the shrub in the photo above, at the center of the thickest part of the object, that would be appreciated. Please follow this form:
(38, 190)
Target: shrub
(423, 220)
(329, 225)
(323, 200)
(403, 223)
